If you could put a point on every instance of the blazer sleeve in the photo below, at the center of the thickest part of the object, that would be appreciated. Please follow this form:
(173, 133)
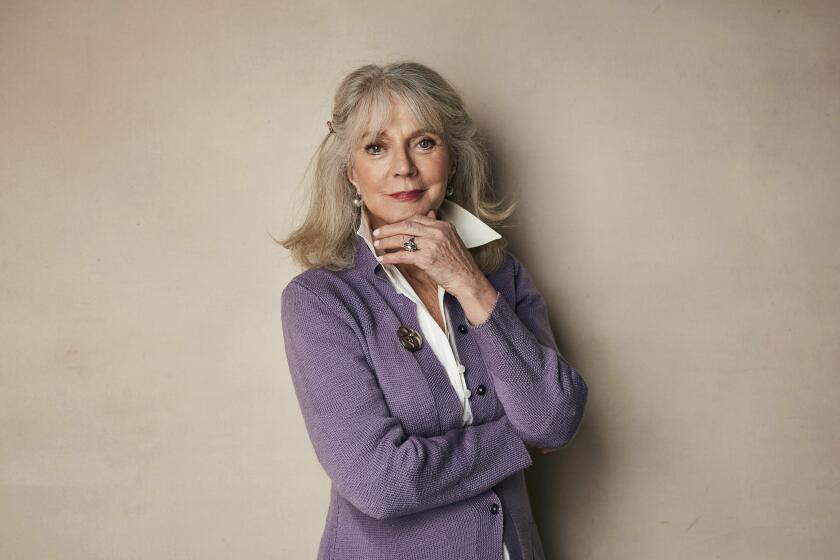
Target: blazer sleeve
(372, 462)
(543, 396)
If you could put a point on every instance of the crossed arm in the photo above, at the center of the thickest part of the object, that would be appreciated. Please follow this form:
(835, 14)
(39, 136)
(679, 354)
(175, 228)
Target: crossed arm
(383, 471)
(542, 394)
(374, 464)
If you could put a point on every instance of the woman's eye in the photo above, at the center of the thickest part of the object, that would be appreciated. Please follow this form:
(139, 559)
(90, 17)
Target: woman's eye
(369, 146)
(430, 144)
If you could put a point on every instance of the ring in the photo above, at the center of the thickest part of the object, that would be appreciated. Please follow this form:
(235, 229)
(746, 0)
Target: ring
(410, 245)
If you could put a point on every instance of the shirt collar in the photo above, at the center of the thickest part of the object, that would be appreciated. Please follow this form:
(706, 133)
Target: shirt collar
(472, 230)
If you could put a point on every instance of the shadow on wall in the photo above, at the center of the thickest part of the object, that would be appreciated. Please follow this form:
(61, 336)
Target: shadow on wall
(558, 486)
(563, 484)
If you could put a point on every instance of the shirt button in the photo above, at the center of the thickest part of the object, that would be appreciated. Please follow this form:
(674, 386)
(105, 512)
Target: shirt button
(494, 508)
(480, 389)
(462, 329)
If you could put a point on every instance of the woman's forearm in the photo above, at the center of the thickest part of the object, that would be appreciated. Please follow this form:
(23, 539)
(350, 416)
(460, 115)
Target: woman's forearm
(543, 395)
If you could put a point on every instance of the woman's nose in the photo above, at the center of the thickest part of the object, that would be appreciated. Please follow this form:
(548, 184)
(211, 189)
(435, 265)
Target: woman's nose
(403, 164)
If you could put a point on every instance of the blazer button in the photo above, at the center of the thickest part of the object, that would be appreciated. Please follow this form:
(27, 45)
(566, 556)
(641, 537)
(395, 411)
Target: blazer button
(494, 508)
(462, 329)
(480, 389)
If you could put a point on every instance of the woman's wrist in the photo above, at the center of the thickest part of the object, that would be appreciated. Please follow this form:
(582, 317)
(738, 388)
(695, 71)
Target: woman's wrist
(477, 300)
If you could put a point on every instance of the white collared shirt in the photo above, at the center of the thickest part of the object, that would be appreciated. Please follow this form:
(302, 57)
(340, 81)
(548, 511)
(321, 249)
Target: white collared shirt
(473, 232)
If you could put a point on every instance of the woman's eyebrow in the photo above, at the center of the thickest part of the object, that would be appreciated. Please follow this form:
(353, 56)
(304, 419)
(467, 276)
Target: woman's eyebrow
(384, 134)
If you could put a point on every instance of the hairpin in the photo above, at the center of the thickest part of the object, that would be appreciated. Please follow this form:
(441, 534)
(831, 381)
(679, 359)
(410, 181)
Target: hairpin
(330, 126)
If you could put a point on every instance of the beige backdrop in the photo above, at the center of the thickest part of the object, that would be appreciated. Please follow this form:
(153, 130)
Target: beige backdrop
(677, 166)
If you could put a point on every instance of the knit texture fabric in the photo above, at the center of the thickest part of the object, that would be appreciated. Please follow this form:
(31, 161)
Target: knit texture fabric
(409, 481)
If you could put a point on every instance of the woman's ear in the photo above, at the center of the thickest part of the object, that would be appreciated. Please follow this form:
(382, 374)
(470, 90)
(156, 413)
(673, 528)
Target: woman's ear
(351, 175)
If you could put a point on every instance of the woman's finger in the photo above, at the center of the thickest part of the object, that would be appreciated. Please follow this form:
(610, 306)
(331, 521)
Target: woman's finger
(396, 242)
(400, 257)
(412, 227)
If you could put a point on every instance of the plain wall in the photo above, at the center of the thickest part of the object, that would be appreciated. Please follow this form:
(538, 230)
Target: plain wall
(677, 169)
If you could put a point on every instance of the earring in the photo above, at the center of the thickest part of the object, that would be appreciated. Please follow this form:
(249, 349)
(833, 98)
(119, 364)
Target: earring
(357, 199)
(450, 190)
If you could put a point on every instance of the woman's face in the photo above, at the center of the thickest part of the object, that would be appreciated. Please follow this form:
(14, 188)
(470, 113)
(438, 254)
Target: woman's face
(402, 159)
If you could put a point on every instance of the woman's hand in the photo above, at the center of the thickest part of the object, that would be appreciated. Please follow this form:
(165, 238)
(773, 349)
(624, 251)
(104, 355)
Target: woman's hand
(441, 254)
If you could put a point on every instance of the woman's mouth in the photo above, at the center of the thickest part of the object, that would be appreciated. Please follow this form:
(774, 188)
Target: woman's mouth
(407, 195)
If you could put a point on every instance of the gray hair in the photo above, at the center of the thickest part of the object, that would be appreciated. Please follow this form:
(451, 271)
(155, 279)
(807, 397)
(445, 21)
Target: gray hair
(362, 103)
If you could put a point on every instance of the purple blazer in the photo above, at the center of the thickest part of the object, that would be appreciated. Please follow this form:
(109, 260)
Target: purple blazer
(409, 481)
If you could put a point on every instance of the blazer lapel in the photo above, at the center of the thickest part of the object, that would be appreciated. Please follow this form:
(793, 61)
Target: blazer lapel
(408, 365)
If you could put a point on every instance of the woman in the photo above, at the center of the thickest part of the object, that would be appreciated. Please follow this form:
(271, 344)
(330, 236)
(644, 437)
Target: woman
(419, 347)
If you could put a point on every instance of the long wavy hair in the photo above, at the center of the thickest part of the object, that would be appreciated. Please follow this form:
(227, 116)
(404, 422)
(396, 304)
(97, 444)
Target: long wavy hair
(362, 103)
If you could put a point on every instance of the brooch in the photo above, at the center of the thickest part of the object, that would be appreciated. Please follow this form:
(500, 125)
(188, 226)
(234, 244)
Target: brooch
(409, 338)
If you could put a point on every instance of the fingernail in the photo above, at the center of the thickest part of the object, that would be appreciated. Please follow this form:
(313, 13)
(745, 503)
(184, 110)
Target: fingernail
(376, 231)
(376, 243)
(379, 258)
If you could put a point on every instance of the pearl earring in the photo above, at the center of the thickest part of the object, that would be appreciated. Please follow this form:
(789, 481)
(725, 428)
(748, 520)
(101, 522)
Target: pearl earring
(450, 190)
(357, 199)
